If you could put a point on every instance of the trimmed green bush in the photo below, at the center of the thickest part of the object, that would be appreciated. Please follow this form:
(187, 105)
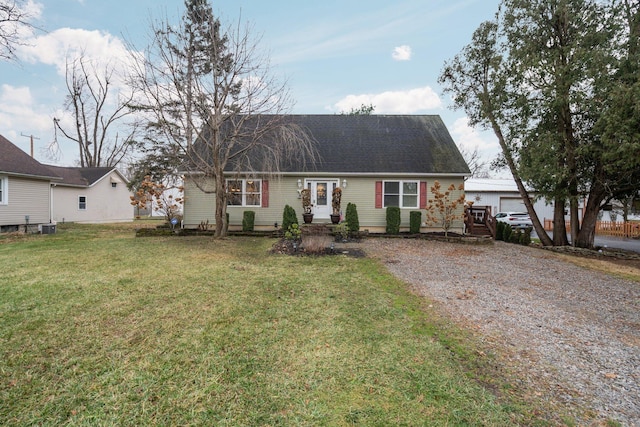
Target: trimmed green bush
(351, 217)
(525, 239)
(499, 230)
(415, 219)
(393, 220)
(288, 217)
(248, 220)
(515, 236)
(507, 231)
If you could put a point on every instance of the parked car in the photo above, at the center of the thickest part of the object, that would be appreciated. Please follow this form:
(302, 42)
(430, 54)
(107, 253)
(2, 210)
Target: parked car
(515, 219)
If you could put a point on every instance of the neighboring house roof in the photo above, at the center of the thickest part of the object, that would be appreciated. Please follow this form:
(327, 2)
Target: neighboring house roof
(14, 161)
(475, 185)
(81, 177)
(378, 144)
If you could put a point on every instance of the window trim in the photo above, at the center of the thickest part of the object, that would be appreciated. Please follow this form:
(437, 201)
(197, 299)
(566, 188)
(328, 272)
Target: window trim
(259, 193)
(79, 203)
(401, 194)
(4, 190)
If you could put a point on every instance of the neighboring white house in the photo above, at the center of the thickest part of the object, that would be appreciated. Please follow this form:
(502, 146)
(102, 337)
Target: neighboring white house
(90, 195)
(25, 196)
(501, 195)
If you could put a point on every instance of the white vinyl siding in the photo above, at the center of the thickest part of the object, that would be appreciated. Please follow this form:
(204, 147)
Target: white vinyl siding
(26, 197)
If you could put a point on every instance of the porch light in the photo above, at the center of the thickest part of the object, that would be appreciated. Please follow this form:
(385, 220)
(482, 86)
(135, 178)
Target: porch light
(300, 183)
(344, 183)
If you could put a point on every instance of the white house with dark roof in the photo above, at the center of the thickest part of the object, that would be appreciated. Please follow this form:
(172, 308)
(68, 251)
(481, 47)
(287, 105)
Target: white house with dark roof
(377, 160)
(90, 195)
(25, 189)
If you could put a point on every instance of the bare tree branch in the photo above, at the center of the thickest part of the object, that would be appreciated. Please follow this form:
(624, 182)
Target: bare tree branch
(14, 20)
(198, 77)
(99, 111)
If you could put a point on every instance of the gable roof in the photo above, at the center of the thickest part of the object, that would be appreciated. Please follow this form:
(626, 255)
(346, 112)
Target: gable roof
(14, 161)
(383, 144)
(81, 177)
(375, 145)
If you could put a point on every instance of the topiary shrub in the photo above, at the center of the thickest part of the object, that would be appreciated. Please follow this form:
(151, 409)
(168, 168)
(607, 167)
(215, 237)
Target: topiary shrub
(288, 217)
(525, 239)
(515, 236)
(248, 220)
(393, 220)
(499, 230)
(351, 217)
(507, 231)
(415, 219)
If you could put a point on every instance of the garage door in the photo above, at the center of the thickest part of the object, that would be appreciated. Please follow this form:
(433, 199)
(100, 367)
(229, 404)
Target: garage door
(508, 204)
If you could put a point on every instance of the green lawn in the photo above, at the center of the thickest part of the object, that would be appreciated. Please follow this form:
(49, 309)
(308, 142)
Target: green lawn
(98, 327)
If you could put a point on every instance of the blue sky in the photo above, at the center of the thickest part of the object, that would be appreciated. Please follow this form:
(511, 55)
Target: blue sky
(335, 54)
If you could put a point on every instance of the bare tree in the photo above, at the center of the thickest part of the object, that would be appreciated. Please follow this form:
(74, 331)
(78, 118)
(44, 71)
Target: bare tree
(14, 19)
(99, 111)
(477, 165)
(200, 78)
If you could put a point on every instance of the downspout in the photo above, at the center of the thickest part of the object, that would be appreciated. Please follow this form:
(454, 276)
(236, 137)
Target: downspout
(51, 202)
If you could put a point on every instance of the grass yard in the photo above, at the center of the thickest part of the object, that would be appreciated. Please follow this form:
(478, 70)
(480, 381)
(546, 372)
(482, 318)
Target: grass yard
(98, 327)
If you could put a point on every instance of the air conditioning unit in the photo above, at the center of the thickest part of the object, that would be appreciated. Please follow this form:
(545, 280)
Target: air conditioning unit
(48, 229)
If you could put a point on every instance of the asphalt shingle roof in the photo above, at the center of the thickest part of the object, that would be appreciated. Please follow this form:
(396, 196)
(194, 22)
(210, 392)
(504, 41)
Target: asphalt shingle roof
(80, 176)
(15, 161)
(379, 144)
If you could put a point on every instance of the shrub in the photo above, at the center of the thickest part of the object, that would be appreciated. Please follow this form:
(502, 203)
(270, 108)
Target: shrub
(500, 230)
(515, 236)
(525, 239)
(506, 233)
(341, 231)
(293, 232)
(415, 219)
(289, 217)
(351, 217)
(316, 240)
(316, 244)
(248, 220)
(393, 220)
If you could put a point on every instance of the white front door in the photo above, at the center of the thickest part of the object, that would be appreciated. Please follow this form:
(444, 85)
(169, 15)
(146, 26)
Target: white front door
(321, 193)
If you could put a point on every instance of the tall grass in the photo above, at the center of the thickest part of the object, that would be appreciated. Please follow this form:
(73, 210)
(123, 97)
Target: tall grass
(98, 327)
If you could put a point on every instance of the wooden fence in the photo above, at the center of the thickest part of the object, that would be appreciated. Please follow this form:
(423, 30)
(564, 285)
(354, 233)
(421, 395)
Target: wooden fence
(606, 228)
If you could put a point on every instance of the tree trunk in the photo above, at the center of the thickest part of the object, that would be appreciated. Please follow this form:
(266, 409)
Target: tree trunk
(588, 230)
(559, 227)
(221, 208)
(506, 151)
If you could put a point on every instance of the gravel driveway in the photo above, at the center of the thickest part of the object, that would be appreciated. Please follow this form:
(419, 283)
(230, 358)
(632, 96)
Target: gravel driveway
(572, 333)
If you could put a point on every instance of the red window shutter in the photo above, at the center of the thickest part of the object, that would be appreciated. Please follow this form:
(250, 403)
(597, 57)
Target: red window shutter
(265, 193)
(378, 194)
(423, 194)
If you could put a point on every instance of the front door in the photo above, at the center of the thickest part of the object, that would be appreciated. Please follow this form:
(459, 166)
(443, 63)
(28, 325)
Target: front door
(321, 192)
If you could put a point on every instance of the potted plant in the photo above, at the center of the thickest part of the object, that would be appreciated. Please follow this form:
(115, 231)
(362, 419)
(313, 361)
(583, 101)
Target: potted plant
(335, 204)
(307, 215)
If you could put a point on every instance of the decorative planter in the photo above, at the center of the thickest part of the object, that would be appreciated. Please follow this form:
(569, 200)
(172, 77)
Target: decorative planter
(335, 218)
(307, 218)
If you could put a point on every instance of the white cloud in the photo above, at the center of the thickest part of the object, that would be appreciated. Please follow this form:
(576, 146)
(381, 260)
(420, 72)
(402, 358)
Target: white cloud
(56, 47)
(470, 138)
(401, 53)
(393, 102)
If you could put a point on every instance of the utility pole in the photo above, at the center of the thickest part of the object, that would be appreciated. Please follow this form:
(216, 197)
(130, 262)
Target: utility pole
(31, 137)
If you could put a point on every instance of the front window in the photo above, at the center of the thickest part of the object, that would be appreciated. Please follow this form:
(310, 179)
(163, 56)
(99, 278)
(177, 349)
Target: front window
(82, 203)
(3, 189)
(403, 194)
(244, 192)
